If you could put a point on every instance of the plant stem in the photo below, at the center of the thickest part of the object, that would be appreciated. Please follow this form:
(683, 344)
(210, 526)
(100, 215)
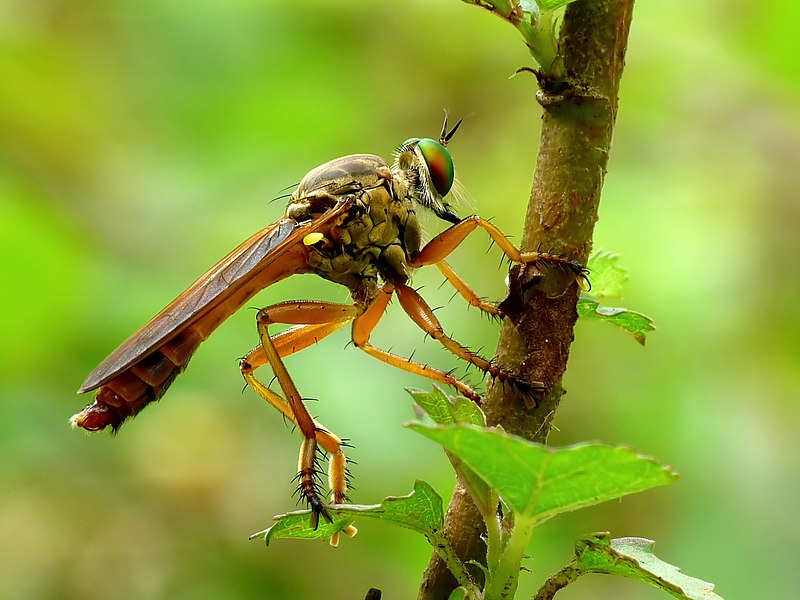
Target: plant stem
(456, 567)
(466, 540)
(579, 97)
(505, 577)
(494, 541)
(558, 581)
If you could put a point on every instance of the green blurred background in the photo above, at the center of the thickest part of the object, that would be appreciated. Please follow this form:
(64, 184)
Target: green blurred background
(141, 141)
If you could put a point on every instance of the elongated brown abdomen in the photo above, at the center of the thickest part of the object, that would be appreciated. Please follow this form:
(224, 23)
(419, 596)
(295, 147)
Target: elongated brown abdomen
(126, 385)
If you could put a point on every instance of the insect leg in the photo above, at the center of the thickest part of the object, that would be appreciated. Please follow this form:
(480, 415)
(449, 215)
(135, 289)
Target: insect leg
(294, 340)
(364, 324)
(463, 288)
(422, 314)
(316, 319)
(443, 244)
(337, 472)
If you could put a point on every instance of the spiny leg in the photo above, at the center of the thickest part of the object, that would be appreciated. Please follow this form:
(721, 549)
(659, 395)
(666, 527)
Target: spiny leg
(463, 288)
(422, 314)
(443, 244)
(364, 324)
(295, 339)
(321, 319)
(435, 252)
(337, 466)
(328, 440)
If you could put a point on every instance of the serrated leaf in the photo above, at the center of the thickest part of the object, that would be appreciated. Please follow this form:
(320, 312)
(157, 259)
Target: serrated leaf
(634, 323)
(448, 410)
(421, 511)
(608, 276)
(297, 525)
(445, 409)
(633, 557)
(539, 482)
(608, 279)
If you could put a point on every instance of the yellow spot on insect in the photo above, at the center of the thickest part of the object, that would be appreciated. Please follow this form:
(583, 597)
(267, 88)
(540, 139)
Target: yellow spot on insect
(313, 238)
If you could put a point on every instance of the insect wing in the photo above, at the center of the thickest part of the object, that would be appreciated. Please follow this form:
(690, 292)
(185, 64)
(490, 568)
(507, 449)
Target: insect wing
(210, 290)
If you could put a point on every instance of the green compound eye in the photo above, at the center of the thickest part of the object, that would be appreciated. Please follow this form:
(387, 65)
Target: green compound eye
(439, 163)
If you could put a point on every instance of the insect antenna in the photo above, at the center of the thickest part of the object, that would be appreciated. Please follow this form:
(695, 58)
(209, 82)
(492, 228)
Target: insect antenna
(445, 136)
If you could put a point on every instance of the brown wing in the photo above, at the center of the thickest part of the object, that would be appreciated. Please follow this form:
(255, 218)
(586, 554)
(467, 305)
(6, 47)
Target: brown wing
(210, 290)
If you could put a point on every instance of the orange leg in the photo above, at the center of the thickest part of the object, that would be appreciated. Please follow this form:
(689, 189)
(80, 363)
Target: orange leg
(364, 324)
(463, 288)
(419, 311)
(294, 340)
(443, 244)
(318, 320)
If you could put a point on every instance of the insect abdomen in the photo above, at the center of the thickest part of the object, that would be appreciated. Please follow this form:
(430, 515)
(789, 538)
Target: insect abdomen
(128, 393)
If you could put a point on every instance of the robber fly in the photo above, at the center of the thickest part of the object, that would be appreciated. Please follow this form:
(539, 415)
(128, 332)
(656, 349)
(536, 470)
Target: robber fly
(352, 221)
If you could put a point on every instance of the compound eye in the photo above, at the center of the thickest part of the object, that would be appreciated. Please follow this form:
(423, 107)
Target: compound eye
(439, 164)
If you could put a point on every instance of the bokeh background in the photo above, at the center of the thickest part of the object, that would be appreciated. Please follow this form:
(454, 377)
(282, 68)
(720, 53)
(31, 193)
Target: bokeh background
(141, 141)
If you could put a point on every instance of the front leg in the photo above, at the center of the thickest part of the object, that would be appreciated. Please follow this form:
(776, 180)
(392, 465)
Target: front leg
(470, 295)
(451, 238)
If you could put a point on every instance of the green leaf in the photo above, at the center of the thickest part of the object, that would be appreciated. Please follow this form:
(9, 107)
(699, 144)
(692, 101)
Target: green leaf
(448, 410)
(538, 482)
(547, 5)
(420, 511)
(445, 409)
(608, 277)
(297, 525)
(633, 557)
(634, 323)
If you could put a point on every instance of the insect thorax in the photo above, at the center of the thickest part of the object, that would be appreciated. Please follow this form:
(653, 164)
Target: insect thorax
(373, 241)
